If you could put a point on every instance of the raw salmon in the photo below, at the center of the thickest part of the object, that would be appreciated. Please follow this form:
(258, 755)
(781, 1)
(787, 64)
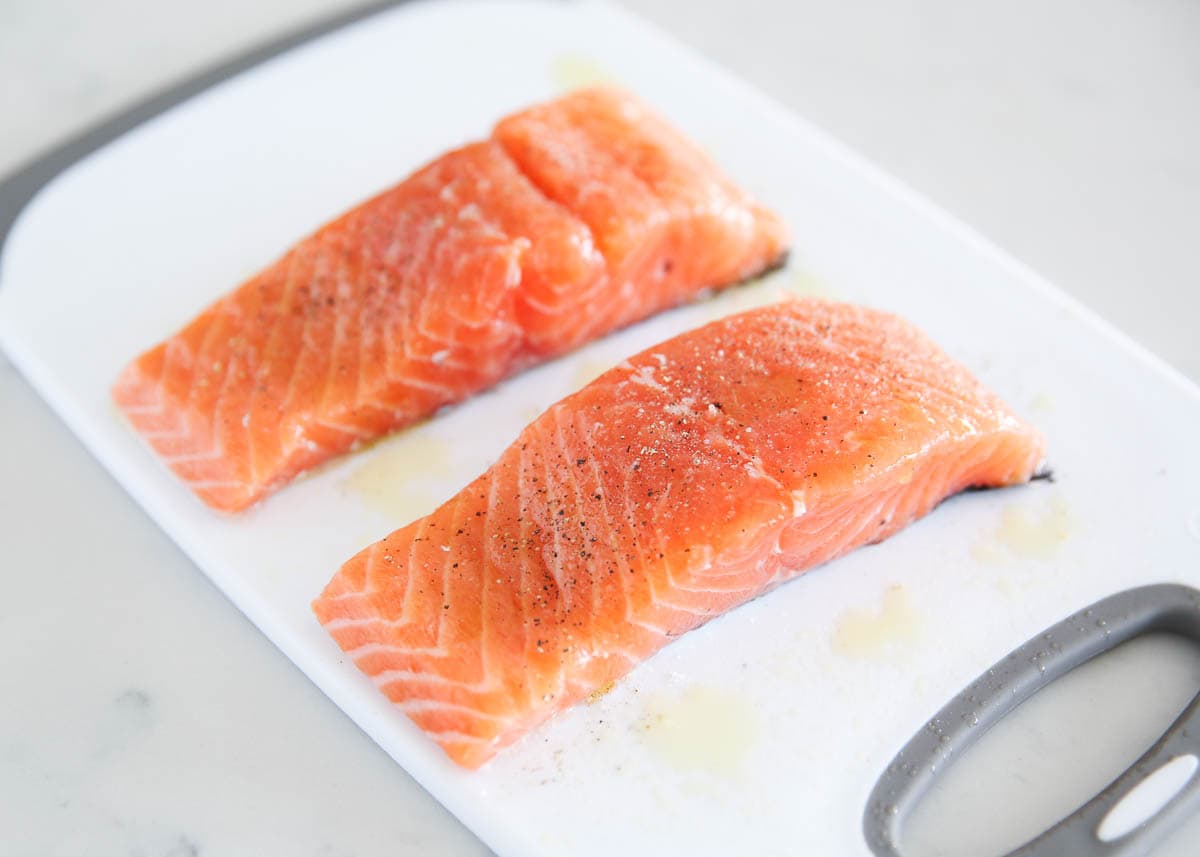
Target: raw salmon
(678, 485)
(576, 217)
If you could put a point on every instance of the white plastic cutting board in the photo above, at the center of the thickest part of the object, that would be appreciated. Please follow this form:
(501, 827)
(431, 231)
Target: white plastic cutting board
(763, 732)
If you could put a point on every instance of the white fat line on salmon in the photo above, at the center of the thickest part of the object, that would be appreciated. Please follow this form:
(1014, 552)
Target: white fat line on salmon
(215, 450)
(384, 678)
(441, 359)
(695, 589)
(354, 431)
(368, 649)
(556, 492)
(409, 610)
(419, 706)
(531, 564)
(417, 384)
(648, 625)
(171, 434)
(576, 476)
(611, 539)
(754, 468)
(449, 563)
(723, 568)
(752, 464)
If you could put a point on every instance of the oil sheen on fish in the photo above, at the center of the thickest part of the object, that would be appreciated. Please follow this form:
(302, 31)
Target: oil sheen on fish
(574, 218)
(676, 486)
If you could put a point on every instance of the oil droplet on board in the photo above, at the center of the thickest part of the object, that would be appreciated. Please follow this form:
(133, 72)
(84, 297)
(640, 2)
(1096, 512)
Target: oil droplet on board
(775, 287)
(588, 371)
(572, 71)
(1026, 533)
(701, 730)
(988, 551)
(1005, 586)
(742, 298)
(802, 282)
(1042, 403)
(395, 479)
(864, 634)
(600, 692)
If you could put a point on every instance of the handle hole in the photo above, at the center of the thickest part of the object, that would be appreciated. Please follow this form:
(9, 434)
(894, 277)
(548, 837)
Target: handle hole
(1054, 752)
(1147, 798)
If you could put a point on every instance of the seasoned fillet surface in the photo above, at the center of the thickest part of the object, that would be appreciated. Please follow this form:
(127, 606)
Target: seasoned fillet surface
(576, 217)
(678, 485)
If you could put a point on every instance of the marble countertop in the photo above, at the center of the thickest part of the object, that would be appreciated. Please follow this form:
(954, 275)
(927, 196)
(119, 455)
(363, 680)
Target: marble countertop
(144, 715)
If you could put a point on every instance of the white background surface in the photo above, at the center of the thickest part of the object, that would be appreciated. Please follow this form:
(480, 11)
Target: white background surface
(1066, 134)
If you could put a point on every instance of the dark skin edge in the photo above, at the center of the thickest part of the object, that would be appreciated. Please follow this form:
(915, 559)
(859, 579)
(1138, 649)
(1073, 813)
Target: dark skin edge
(1046, 474)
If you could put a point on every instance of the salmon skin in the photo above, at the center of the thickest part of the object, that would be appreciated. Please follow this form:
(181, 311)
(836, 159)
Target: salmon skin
(575, 218)
(676, 486)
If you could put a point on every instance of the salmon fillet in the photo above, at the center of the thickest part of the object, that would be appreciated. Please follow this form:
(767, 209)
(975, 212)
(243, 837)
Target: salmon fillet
(575, 218)
(678, 485)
